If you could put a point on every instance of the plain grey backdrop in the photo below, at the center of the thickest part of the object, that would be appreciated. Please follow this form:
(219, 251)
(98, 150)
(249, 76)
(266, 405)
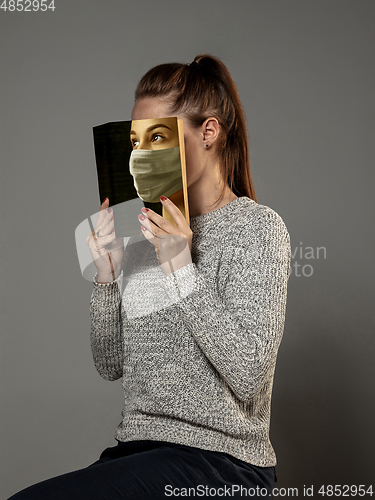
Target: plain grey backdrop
(305, 74)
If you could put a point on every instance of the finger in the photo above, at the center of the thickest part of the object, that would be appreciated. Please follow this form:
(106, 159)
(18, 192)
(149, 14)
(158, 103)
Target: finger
(103, 241)
(103, 219)
(158, 221)
(93, 245)
(175, 212)
(105, 204)
(148, 228)
(147, 223)
(106, 227)
(102, 212)
(92, 240)
(148, 235)
(154, 241)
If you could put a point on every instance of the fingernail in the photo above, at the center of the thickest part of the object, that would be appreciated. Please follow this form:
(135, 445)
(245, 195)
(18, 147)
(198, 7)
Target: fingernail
(105, 199)
(110, 210)
(113, 230)
(112, 217)
(145, 209)
(141, 217)
(163, 198)
(143, 228)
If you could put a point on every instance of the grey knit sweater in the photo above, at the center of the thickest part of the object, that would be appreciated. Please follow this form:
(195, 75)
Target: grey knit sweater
(196, 350)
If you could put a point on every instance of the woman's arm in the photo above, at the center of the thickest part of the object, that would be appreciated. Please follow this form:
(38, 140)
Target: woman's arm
(240, 330)
(106, 329)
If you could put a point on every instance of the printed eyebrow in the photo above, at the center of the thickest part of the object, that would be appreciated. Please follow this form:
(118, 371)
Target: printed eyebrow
(152, 127)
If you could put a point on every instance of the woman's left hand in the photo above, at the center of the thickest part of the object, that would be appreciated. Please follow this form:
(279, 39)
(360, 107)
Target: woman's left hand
(172, 243)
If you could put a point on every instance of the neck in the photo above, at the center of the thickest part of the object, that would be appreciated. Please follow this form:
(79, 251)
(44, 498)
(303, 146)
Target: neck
(203, 197)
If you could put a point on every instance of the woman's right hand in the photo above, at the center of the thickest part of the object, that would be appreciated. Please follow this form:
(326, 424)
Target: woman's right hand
(107, 251)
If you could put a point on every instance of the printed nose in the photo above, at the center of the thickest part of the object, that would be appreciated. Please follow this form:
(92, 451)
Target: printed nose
(144, 145)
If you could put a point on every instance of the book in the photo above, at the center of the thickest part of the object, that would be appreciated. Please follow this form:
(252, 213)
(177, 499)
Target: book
(141, 160)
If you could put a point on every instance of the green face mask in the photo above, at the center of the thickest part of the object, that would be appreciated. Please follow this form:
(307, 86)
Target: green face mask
(156, 172)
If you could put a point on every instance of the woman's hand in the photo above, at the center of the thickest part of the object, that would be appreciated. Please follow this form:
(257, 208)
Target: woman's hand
(172, 243)
(107, 251)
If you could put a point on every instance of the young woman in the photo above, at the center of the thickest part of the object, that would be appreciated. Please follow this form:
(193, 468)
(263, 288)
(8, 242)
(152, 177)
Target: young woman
(197, 368)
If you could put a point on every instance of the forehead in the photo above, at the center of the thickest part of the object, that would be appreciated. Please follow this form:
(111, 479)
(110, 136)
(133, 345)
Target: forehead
(143, 126)
(149, 108)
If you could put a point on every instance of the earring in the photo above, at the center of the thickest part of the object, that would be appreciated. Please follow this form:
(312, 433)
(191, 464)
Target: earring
(206, 145)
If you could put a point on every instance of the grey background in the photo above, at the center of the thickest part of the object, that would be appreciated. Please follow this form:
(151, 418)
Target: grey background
(305, 73)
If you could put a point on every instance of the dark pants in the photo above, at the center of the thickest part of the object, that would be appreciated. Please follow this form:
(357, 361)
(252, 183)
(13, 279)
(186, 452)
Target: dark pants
(152, 470)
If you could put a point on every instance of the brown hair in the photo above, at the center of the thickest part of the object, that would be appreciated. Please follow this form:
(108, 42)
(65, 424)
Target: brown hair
(198, 91)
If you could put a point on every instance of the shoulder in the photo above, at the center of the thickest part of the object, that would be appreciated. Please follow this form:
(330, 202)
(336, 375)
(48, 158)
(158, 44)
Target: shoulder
(257, 222)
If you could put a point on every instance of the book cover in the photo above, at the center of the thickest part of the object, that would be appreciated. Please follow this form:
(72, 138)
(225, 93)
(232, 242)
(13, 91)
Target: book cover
(141, 159)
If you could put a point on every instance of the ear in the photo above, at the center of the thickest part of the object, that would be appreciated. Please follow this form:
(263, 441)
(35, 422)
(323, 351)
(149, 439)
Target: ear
(210, 131)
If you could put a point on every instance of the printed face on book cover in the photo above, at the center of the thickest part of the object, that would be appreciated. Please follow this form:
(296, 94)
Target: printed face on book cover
(155, 158)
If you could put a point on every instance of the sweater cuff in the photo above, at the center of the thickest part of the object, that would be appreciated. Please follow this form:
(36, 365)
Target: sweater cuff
(108, 291)
(180, 283)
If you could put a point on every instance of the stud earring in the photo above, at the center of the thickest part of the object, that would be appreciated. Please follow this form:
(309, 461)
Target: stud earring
(206, 145)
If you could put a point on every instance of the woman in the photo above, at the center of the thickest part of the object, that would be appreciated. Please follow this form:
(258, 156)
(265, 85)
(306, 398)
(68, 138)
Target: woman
(197, 371)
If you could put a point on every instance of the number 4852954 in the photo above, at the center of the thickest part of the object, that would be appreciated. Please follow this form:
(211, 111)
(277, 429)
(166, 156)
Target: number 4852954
(28, 5)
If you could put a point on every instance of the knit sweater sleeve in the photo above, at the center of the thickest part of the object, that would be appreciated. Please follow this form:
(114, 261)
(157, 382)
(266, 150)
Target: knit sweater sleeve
(106, 329)
(239, 329)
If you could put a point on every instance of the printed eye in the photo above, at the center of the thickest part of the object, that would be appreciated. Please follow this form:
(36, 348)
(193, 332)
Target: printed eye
(154, 137)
